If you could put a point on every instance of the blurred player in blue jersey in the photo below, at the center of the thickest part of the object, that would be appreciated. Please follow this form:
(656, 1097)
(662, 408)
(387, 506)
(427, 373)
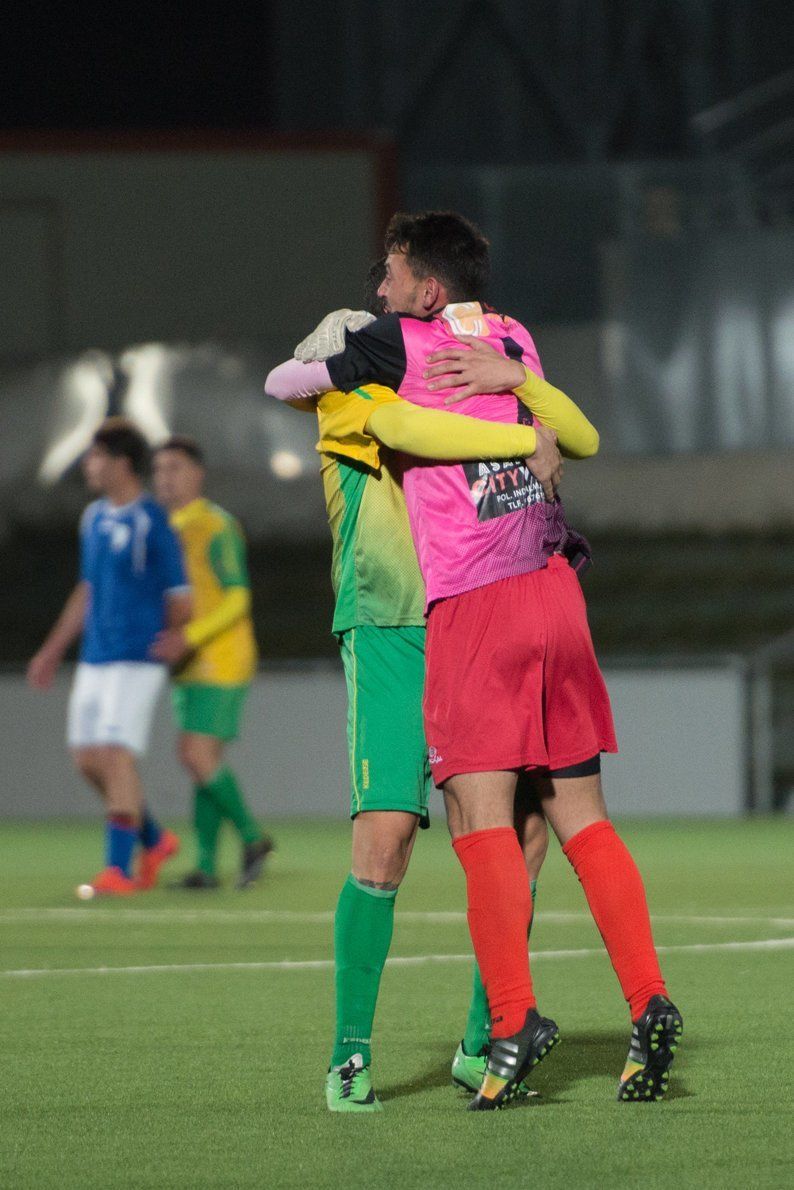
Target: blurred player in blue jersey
(132, 586)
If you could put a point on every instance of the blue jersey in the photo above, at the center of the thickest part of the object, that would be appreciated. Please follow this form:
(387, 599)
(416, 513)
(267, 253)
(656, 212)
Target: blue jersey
(131, 558)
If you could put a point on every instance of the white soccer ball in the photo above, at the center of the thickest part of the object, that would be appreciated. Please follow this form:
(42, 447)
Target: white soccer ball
(86, 892)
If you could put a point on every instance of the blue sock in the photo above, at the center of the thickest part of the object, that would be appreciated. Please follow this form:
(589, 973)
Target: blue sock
(121, 835)
(150, 830)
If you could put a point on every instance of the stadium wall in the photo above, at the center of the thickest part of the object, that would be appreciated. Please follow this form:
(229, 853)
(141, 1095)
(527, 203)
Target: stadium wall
(682, 731)
(107, 240)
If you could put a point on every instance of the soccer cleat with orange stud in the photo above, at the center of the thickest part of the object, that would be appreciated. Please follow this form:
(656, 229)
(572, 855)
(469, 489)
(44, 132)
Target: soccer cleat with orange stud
(511, 1058)
(654, 1040)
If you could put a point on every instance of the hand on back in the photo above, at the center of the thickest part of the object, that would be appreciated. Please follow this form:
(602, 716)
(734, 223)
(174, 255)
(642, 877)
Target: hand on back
(477, 367)
(474, 368)
(546, 463)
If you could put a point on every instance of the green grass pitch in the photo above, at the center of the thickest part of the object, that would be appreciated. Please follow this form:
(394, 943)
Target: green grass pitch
(185, 1070)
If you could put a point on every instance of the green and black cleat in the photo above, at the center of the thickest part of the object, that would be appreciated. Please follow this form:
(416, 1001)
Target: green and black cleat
(654, 1040)
(468, 1071)
(254, 856)
(196, 880)
(511, 1058)
(348, 1088)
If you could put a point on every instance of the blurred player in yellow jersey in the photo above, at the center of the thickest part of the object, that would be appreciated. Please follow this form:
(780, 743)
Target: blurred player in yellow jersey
(213, 659)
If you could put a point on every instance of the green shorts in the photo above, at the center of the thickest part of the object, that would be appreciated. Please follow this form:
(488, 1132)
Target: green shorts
(209, 710)
(385, 675)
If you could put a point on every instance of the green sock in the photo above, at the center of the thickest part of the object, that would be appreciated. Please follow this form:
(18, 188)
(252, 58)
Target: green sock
(363, 928)
(478, 1025)
(207, 820)
(228, 797)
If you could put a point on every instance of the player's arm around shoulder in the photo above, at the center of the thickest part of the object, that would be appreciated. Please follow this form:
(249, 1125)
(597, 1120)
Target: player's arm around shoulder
(576, 435)
(477, 367)
(374, 352)
(295, 381)
(447, 437)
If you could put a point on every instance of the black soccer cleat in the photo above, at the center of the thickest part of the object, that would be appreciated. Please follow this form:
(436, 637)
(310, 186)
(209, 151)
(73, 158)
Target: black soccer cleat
(654, 1040)
(196, 880)
(511, 1058)
(254, 856)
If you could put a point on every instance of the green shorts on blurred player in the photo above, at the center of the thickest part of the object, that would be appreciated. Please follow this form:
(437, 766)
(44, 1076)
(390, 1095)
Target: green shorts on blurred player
(214, 659)
(380, 624)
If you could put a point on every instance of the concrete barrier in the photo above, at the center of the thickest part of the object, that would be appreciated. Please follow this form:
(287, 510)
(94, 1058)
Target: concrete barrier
(682, 732)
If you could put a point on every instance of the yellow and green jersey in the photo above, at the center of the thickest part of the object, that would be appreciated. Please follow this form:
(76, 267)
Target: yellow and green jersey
(375, 571)
(220, 630)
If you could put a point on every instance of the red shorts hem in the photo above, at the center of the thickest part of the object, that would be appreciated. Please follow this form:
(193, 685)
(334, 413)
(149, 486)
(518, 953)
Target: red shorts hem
(455, 768)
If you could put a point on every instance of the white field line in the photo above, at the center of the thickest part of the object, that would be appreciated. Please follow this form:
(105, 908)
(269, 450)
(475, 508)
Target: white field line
(398, 961)
(97, 915)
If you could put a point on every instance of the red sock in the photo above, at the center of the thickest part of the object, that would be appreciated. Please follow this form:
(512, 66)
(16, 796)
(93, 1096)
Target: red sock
(616, 896)
(500, 910)
(127, 821)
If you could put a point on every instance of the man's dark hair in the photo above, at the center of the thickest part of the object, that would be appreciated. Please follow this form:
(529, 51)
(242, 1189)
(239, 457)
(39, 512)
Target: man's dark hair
(188, 446)
(123, 440)
(375, 276)
(444, 245)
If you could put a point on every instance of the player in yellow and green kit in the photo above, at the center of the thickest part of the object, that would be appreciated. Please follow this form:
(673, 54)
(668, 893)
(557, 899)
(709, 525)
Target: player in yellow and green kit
(379, 622)
(213, 658)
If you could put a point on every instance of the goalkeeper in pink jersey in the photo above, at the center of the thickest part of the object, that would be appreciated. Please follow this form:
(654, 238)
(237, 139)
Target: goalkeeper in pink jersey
(512, 681)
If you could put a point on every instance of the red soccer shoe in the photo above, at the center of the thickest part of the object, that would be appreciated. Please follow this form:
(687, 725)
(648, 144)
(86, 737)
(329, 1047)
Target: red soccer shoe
(109, 883)
(153, 859)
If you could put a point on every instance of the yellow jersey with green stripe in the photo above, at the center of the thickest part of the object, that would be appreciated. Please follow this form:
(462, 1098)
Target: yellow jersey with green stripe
(375, 572)
(215, 556)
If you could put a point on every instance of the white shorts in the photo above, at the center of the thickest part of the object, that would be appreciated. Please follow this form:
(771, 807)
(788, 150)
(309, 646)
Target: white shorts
(114, 704)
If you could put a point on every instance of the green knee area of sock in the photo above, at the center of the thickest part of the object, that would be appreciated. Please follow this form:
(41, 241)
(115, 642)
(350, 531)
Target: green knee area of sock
(386, 894)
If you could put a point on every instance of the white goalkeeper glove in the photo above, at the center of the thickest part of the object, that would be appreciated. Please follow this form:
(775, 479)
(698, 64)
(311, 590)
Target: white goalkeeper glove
(328, 337)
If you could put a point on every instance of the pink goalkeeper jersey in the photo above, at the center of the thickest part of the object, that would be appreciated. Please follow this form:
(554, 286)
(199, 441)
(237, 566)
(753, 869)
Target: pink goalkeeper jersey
(473, 523)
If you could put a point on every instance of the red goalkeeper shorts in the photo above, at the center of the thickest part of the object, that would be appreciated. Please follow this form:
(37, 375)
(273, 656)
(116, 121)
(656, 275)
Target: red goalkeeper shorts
(512, 681)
